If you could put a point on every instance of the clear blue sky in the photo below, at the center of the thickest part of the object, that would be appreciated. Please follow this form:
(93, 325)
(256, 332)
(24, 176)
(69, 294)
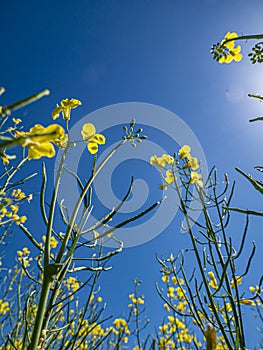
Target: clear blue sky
(157, 52)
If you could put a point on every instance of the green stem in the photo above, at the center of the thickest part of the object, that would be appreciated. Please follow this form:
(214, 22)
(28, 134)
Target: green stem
(245, 37)
(78, 204)
(47, 280)
(199, 262)
(40, 313)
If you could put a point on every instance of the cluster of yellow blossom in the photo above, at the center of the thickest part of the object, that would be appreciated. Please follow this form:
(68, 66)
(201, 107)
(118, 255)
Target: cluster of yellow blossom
(4, 307)
(53, 241)
(173, 162)
(7, 157)
(72, 284)
(226, 52)
(175, 292)
(9, 211)
(135, 302)
(231, 53)
(23, 257)
(40, 140)
(175, 332)
(178, 300)
(87, 333)
(175, 327)
(121, 329)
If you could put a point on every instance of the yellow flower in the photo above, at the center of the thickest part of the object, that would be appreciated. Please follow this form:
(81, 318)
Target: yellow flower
(21, 220)
(170, 293)
(14, 208)
(26, 251)
(231, 52)
(195, 178)
(184, 151)
(65, 108)
(16, 120)
(164, 328)
(120, 323)
(72, 284)
(18, 194)
(192, 163)
(89, 135)
(157, 161)
(165, 278)
(53, 241)
(4, 307)
(38, 140)
(168, 159)
(231, 55)
(228, 36)
(180, 293)
(170, 178)
(213, 282)
(161, 161)
(238, 281)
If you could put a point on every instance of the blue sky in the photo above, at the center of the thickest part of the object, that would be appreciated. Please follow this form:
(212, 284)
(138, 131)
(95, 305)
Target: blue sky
(156, 52)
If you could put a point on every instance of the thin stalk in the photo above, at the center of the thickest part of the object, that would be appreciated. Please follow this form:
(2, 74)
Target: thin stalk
(24, 102)
(245, 37)
(47, 280)
(199, 262)
(81, 198)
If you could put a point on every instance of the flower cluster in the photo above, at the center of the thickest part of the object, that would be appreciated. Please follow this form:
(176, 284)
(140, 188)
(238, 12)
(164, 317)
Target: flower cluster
(4, 307)
(135, 302)
(9, 207)
(53, 241)
(24, 258)
(173, 167)
(226, 52)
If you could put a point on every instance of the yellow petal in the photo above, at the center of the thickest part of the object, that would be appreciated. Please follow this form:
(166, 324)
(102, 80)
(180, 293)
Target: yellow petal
(238, 57)
(184, 151)
(56, 112)
(99, 139)
(50, 133)
(73, 103)
(229, 59)
(93, 147)
(38, 150)
(88, 131)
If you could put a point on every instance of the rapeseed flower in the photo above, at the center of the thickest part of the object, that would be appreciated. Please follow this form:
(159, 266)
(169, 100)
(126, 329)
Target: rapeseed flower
(89, 135)
(184, 152)
(65, 108)
(196, 178)
(230, 52)
(39, 140)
